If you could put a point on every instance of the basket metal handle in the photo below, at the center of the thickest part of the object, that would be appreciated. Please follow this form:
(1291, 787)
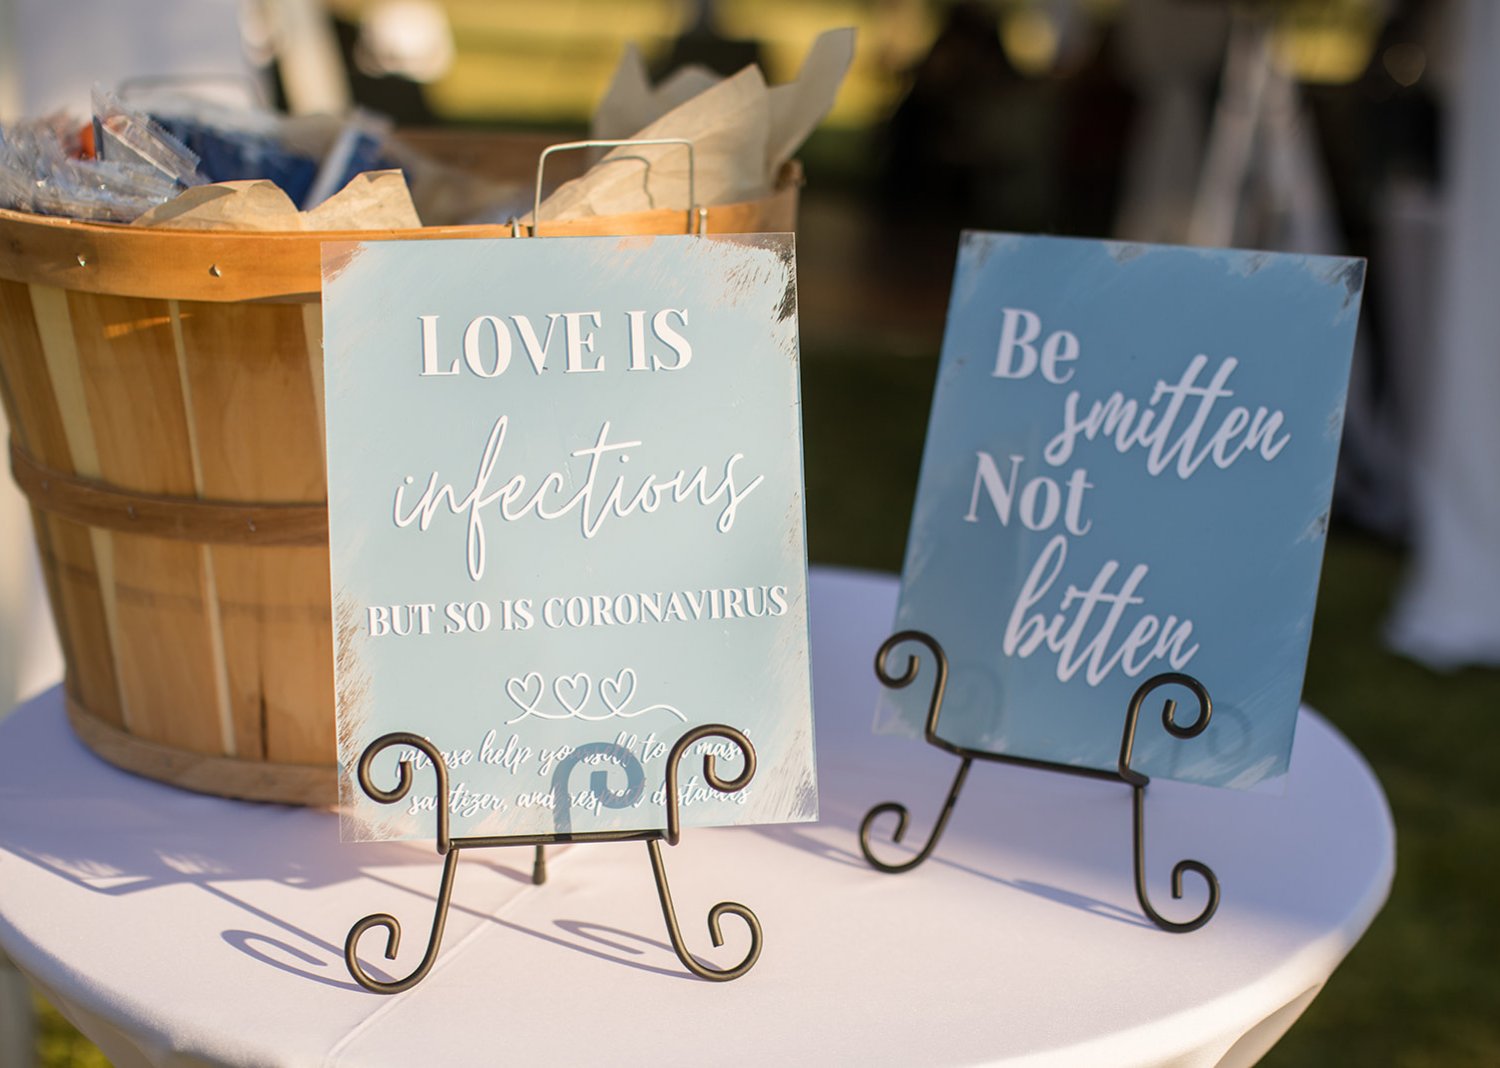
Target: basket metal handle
(541, 163)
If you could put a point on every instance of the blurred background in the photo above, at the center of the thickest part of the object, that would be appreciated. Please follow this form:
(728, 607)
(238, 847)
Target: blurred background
(1358, 127)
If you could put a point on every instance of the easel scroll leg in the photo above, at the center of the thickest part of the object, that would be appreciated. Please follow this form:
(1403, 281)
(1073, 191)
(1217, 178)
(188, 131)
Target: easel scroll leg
(393, 938)
(1138, 784)
(902, 816)
(934, 709)
(1139, 804)
(674, 831)
(715, 927)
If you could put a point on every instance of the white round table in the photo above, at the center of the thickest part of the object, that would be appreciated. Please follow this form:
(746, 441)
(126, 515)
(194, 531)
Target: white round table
(178, 929)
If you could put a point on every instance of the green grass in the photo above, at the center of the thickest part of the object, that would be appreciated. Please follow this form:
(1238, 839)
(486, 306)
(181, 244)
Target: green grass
(58, 1043)
(1422, 989)
(864, 419)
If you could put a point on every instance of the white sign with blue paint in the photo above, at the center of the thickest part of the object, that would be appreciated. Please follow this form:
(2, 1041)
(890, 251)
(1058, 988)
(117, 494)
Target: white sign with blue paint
(1128, 471)
(566, 527)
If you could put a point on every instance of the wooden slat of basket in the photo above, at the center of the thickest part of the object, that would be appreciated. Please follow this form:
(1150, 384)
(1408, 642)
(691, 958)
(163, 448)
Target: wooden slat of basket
(279, 637)
(39, 342)
(30, 401)
(128, 358)
(254, 407)
(133, 393)
(53, 318)
(166, 659)
(67, 555)
(31, 408)
(253, 395)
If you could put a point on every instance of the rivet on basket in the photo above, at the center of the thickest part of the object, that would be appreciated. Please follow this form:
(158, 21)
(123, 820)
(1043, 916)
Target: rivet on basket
(81, 261)
(214, 270)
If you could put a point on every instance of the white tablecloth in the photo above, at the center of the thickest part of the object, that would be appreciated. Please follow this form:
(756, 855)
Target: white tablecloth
(178, 929)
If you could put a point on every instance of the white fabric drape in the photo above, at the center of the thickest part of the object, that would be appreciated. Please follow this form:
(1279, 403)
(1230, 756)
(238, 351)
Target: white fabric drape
(1448, 614)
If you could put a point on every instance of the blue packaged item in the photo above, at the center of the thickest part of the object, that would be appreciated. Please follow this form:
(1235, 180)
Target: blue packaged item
(359, 147)
(229, 155)
(125, 135)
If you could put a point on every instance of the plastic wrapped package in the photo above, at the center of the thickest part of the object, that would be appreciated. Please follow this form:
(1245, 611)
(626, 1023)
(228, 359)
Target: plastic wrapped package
(41, 177)
(127, 136)
(15, 182)
(103, 192)
(114, 171)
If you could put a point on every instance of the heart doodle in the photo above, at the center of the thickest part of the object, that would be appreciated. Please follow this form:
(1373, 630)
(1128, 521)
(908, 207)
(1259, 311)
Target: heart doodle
(623, 686)
(573, 682)
(519, 691)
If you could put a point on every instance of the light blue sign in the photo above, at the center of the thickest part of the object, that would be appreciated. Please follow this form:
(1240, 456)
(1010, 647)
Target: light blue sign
(1128, 471)
(566, 526)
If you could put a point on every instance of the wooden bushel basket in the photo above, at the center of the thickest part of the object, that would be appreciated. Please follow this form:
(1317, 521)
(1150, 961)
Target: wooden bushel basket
(164, 390)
